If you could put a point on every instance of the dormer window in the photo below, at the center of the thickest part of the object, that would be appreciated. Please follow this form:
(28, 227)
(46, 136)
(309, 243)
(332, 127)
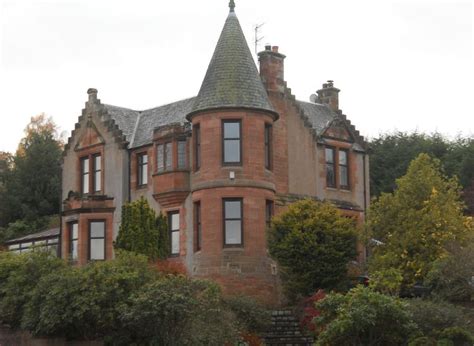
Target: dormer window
(343, 170)
(337, 168)
(330, 167)
(91, 174)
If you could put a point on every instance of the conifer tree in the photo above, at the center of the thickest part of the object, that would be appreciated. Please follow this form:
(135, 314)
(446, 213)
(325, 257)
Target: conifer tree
(142, 232)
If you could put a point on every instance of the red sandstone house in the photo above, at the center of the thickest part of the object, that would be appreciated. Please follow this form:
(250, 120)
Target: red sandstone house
(219, 165)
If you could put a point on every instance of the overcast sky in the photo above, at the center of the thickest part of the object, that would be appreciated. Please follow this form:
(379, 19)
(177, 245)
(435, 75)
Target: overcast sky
(405, 65)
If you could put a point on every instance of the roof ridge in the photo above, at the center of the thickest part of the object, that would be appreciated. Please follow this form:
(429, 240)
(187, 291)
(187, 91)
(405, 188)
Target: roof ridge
(132, 140)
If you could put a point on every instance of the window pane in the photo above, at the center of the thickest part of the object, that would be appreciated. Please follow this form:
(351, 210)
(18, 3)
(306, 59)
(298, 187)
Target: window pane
(73, 250)
(97, 181)
(231, 130)
(175, 222)
(330, 177)
(232, 210)
(74, 231)
(181, 154)
(97, 249)
(342, 157)
(53, 241)
(233, 234)
(97, 229)
(85, 183)
(143, 169)
(144, 175)
(329, 155)
(85, 165)
(97, 163)
(175, 243)
(232, 150)
(169, 156)
(160, 158)
(343, 178)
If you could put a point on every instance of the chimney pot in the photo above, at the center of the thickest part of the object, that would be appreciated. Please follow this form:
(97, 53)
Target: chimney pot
(92, 94)
(275, 49)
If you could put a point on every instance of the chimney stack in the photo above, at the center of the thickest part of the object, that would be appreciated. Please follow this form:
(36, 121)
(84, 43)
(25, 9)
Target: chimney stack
(272, 69)
(329, 95)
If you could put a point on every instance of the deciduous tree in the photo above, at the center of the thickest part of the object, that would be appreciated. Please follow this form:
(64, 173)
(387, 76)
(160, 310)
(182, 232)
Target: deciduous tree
(417, 221)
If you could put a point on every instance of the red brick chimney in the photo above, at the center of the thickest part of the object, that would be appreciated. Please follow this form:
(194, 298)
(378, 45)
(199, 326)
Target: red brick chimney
(329, 95)
(272, 69)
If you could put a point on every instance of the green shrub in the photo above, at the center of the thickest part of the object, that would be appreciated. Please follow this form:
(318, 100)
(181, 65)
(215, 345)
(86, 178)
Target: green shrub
(313, 244)
(363, 317)
(423, 341)
(178, 311)
(433, 316)
(84, 302)
(458, 336)
(450, 277)
(19, 275)
(387, 281)
(252, 316)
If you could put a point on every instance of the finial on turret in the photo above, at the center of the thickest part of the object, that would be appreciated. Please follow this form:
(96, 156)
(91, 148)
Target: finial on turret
(231, 5)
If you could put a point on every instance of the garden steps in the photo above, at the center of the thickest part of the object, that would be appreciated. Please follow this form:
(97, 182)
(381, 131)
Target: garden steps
(285, 330)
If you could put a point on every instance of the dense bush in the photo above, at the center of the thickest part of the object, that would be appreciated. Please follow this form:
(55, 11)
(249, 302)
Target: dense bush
(434, 316)
(19, 275)
(178, 311)
(252, 316)
(124, 301)
(84, 302)
(363, 317)
(451, 276)
(313, 244)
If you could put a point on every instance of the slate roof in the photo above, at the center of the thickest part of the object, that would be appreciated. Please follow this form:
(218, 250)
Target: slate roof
(53, 232)
(138, 126)
(232, 79)
(319, 115)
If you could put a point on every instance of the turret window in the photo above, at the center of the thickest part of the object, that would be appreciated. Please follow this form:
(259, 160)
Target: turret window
(197, 147)
(268, 146)
(233, 216)
(231, 142)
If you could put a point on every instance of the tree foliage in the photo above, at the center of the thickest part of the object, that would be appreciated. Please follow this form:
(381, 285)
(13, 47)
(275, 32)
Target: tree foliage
(142, 232)
(417, 221)
(363, 317)
(451, 277)
(313, 243)
(391, 154)
(30, 180)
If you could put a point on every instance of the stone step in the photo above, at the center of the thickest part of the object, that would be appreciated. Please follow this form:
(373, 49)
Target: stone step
(282, 313)
(280, 340)
(272, 333)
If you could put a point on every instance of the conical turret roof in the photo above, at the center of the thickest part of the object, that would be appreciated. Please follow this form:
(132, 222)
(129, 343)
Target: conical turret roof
(232, 79)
